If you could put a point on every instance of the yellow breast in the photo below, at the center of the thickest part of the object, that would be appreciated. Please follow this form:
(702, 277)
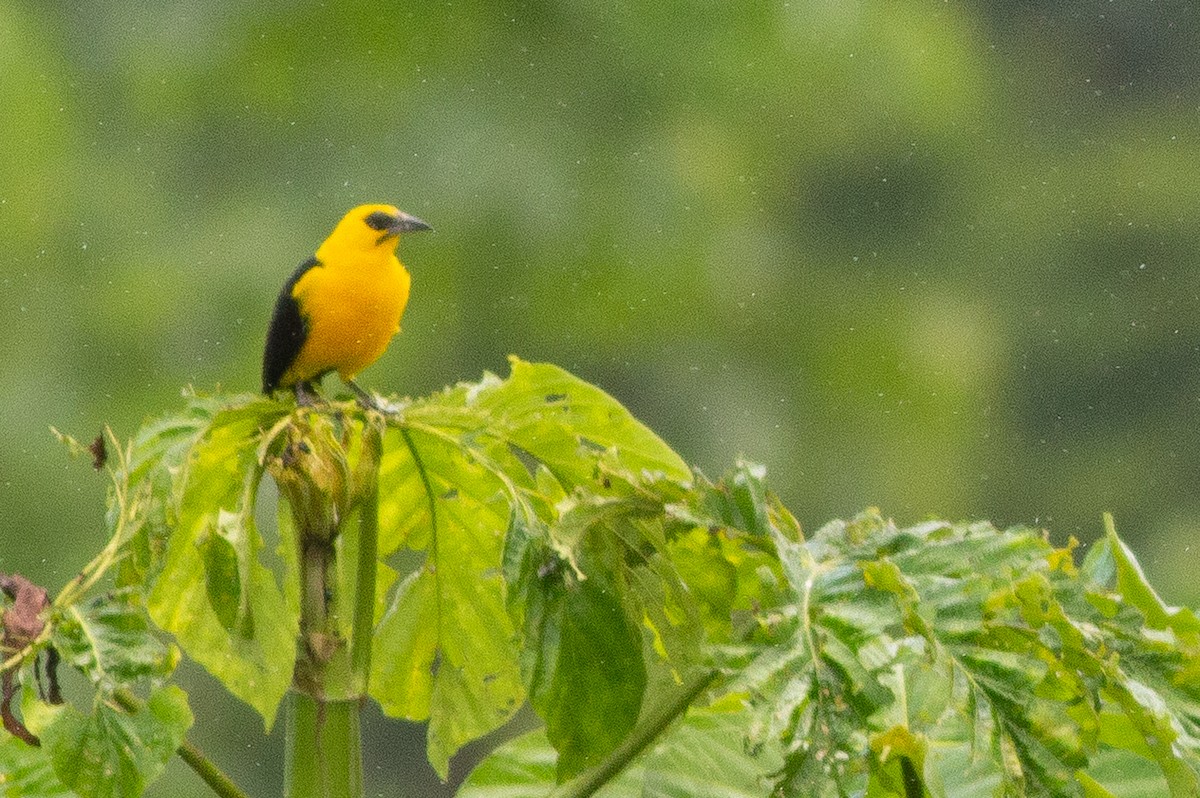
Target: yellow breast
(351, 307)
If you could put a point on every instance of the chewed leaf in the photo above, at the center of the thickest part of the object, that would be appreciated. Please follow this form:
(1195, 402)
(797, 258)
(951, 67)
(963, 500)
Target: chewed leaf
(537, 542)
(553, 415)
(444, 649)
(504, 488)
(1037, 669)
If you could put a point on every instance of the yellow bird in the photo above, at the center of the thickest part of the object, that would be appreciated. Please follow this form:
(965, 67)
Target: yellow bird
(340, 308)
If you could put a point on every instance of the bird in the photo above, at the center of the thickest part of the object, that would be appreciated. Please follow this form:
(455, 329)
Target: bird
(340, 308)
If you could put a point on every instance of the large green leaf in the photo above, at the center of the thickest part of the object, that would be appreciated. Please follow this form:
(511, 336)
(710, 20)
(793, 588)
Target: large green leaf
(445, 648)
(456, 469)
(213, 590)
(944, 635)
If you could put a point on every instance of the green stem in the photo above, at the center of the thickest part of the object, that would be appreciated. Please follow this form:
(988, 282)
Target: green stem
(656, 722)
(323, 746)
(368, 552)
(212, 775)
(323, 754)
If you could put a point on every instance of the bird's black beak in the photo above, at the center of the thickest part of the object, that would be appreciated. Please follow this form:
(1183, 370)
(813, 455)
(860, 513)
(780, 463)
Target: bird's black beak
(407, 224)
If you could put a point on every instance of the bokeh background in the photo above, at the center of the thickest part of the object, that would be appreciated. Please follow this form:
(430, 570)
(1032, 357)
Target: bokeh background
(940, 257)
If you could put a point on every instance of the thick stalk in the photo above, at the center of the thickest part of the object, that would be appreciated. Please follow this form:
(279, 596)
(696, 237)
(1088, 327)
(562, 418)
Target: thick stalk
(323, 758)
(368, 552)
(323, 747)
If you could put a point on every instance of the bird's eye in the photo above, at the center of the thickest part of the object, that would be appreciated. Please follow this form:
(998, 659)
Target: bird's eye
(380, 220)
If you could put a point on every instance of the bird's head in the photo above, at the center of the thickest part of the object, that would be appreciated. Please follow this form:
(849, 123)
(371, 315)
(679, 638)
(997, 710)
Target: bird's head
(370, 228)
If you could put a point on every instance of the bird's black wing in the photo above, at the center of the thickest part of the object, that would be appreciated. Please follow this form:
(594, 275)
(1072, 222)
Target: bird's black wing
(287, 332)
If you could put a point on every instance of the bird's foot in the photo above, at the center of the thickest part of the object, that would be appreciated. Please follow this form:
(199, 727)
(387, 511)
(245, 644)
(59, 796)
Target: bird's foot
(369, 402)
(305, 395)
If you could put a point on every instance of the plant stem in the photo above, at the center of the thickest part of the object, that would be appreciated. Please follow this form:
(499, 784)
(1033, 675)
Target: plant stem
(212, 775)
(656, 722)
(323, 757)
(368, 551)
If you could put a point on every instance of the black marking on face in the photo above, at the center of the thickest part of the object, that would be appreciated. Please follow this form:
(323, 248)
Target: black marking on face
(380, 220)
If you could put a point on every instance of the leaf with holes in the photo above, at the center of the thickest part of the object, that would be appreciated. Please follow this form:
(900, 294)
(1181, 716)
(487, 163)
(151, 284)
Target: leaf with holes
(444, 649)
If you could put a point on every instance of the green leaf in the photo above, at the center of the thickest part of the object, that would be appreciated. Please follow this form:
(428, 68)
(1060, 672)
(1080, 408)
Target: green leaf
(222, 577)
(1153, 672)
(26, 772)
(703, 755)
(584, 580)
(109, 638)
(109, 753)
(726, 553)
(250, 650)
(525, 767)
(406, 647)
(444, 650)
(599, 602)
(586, 672)
(555, 416)
(536, 539)
(1113, 564)
(1116, 774)
(457, 469)
(967, 635)
(707, 756)
(142, 498)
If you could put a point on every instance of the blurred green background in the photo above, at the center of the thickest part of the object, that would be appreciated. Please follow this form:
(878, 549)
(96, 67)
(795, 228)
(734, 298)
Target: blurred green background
(937, 257)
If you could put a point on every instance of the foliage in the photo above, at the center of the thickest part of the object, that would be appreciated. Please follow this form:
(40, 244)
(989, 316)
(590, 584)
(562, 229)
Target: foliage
(677, 636)
(114, 747)
(776, 227)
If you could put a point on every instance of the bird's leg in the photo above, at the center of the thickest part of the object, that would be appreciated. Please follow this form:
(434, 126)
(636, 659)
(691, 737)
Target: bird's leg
(365, 400)
(305, 397)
